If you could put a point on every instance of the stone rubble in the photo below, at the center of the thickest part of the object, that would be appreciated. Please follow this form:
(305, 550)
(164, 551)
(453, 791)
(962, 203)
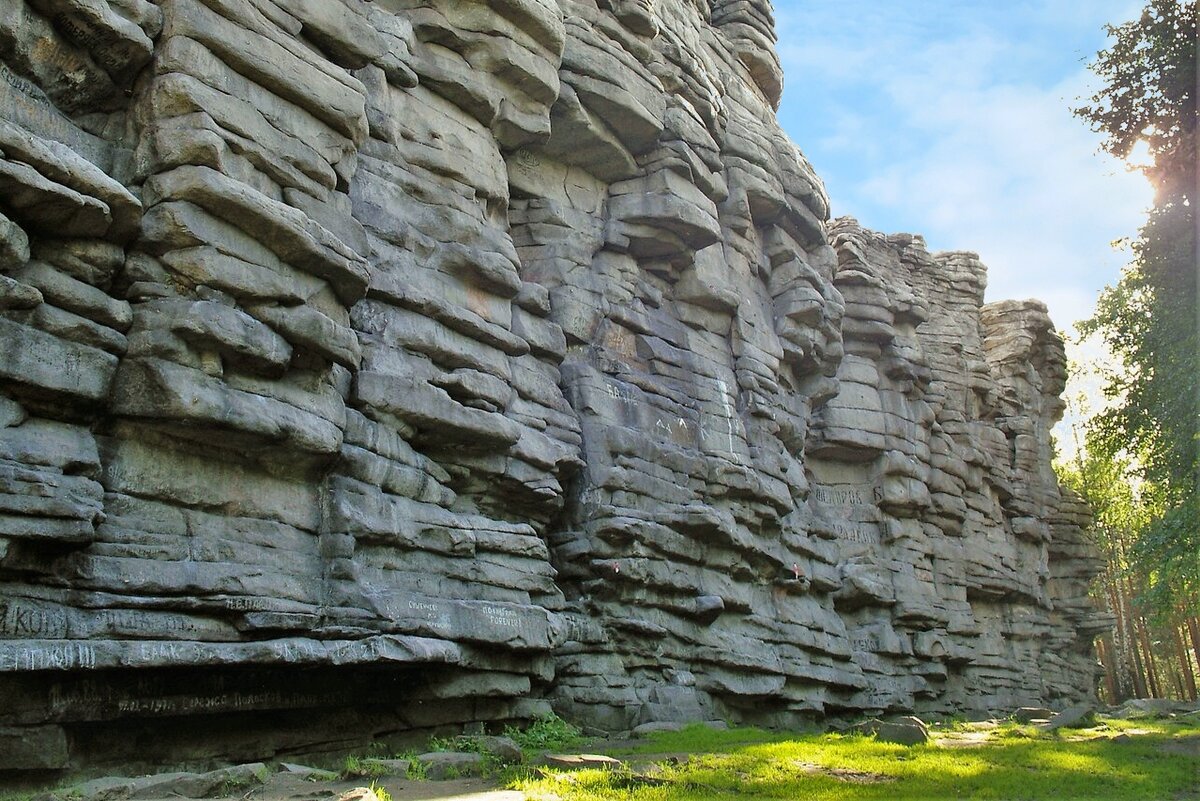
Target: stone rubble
(380, 367)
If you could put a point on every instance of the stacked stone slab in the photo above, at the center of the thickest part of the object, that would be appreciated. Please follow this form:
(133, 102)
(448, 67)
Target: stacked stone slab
(373, 367)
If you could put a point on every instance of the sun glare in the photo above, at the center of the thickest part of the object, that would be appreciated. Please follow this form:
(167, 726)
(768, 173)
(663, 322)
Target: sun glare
(1139, 157)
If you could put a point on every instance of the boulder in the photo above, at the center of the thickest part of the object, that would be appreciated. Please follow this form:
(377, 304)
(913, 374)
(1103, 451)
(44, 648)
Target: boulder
(442, 765)
(904, 731)
(1028, 714)
(1072, 717)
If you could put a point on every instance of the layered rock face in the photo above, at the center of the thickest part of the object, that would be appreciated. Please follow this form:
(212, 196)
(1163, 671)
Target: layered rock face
(369, 367)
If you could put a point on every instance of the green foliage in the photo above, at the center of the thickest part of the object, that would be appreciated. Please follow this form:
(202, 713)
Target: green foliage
(381, 792)
(548, 733)
(19, 795)
(1149, 322)
(513, 775)
(824, 767)
(1149, 94)
(1150, 319)
(443, 744)
(1118, 504)
(417, 770)
(356, 767)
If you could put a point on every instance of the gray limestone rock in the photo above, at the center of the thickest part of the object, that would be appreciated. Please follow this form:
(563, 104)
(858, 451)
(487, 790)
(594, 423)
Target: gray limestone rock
(1071, 717)
(904, 731)
(375, 766)
(442, 765)
(579, 761)
(167, 785)
(371, 369)
(33, 748)
(309, 773)
(1028, 714)
(1154, 707)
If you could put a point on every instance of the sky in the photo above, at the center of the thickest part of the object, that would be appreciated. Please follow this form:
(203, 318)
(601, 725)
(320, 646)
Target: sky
(951, 119)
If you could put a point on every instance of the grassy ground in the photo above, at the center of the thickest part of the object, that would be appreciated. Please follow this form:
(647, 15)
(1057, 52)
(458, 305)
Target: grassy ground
(1155, 761)
(1115, 760)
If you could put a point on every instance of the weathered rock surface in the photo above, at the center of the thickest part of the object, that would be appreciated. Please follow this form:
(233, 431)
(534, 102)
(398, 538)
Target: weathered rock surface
(376, 367)
(441, 765)
(904, 731)
(167, 785)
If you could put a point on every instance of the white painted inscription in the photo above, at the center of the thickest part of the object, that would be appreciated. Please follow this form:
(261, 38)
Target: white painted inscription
(502, 617)
(68, 656)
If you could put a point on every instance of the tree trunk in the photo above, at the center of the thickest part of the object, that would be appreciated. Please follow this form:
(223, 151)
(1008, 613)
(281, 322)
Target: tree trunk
(1123, 657)
(1193, 625)
(1107, 657)
(1141, 643)
(1152, 682)
(1185, 663)
(1125, 620)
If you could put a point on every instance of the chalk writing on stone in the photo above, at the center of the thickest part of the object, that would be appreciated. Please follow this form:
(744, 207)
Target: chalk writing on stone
(100, 43)
(22, 85)
(620, 393)
(23, 103)
(68, 656)
(148, 697)
(502, 617)
(424, 608)
(528, 160)
(864, 642)
(274, 699)
(128, 620)
(159, 652)
(246, 604)
(854, 532)
(676, 428)
(842, 496)
(23, 620)
(299, 652)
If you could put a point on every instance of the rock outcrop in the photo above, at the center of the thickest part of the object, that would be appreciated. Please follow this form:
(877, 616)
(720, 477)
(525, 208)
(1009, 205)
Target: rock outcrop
(369, 367)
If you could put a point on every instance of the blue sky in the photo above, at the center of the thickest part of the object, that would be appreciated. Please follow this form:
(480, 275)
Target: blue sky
(952, 119)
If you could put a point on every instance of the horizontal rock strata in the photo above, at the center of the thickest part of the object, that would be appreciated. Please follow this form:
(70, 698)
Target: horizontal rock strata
(373, 367)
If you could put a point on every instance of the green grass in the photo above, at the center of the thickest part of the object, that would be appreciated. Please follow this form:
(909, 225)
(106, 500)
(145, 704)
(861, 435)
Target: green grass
(1170, 726)
(1012, 764)
(356, 767)
(416, 770)
(547, 733)
(698, 737)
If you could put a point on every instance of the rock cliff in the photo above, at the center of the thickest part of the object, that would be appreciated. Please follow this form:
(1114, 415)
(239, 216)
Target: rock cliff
(371, 367)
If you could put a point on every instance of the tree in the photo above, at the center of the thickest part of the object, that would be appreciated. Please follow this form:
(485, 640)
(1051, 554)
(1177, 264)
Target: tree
(1120, 514)
(1149, 93)
(1151, 318)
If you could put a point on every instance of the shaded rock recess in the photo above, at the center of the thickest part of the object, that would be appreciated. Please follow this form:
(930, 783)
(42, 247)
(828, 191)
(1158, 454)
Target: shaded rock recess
(373, 367)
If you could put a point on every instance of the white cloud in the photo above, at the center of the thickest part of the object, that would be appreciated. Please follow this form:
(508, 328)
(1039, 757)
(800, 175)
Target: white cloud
(962, 132)
(1008, 172)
